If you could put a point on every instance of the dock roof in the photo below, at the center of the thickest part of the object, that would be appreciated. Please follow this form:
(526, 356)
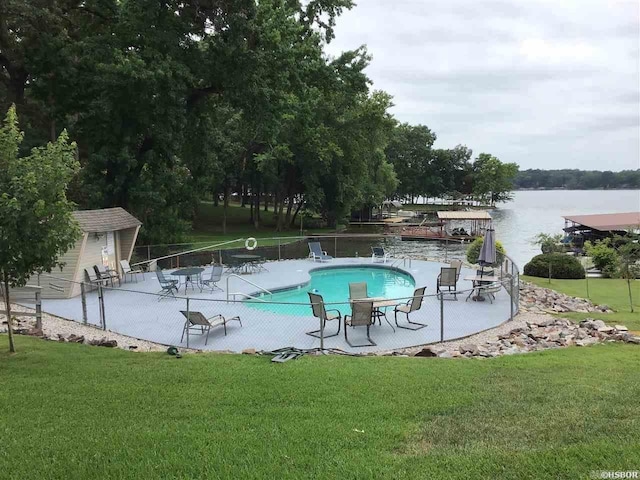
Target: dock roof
(607, 221)
(470, 215)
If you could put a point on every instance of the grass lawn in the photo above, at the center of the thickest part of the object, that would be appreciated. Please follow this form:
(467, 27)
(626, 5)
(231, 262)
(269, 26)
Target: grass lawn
(73, 411)
(608, 291)
(208, 225)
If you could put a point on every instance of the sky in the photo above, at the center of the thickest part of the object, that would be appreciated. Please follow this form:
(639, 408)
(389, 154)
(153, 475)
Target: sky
(543, 83)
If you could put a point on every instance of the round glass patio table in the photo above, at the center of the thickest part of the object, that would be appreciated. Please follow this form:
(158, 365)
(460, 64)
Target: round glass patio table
(189, 273)
(245, 262)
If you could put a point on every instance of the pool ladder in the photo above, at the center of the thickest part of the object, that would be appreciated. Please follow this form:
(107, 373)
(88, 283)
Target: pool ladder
(246, 295)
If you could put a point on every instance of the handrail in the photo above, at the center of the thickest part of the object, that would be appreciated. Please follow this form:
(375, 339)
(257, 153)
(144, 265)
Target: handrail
(246, 295)
(247, 281)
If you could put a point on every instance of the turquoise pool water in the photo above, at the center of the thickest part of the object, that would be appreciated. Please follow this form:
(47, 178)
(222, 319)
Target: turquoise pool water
(333, 285)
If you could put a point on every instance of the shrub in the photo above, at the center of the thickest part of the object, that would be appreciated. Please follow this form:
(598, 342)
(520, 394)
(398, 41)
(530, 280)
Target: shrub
(473, 252)
(603, 256)
(562, 266)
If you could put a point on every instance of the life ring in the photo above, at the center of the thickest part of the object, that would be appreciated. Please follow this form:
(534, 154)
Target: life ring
(250, 243)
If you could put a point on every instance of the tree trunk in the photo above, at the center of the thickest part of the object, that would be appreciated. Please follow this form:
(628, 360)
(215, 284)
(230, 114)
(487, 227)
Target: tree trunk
(243, 195)
(287, 218)
(629, 288)
(266, 203)
(225, 202)
(7, 301)
(295, 214)
(256, 209)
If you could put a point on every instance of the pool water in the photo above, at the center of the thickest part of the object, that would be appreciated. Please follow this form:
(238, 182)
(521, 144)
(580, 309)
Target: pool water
(333, 284)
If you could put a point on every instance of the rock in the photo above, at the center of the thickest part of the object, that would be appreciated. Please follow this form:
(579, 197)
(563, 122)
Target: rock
(133, 347)
(469, 348)
(35, 332)
(598, 324)
(621, 328)
(108, 343)
(426, 352)
(631, 339)
(249, 351)
(604, 308)
(445, 354)
(75, 338)
(553, 337)
(605, 329)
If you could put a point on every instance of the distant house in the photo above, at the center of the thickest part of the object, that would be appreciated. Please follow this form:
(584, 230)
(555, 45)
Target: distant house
(108, 236)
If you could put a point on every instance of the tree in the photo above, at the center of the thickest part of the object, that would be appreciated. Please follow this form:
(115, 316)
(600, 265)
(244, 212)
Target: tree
(36, 225)
(549, 243)
(493, 180)
(629, 260)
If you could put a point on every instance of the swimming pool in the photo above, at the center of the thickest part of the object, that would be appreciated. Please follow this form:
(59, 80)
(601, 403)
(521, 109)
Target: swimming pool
(333, 284)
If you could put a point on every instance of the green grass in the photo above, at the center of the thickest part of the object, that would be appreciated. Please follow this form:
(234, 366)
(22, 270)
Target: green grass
(608, 291)
(208, 225)
(73, 411)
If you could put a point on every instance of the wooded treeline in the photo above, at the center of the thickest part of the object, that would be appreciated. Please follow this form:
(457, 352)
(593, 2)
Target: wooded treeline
(176, 101)
(577, 179)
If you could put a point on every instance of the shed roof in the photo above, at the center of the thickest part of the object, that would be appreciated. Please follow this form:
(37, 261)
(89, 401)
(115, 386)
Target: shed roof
(470, 215)
(105, 220)
(607, 221)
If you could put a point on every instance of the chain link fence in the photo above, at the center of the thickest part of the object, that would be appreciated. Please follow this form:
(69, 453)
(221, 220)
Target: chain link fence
(268, 321)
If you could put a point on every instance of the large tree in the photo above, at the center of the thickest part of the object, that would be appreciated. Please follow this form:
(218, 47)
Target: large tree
(36, 225)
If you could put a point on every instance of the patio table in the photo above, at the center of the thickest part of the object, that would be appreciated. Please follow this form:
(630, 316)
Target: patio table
(189, 273)
(380, 305)
(478, 282)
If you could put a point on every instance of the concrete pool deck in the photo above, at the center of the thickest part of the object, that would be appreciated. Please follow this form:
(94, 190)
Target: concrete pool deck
(134, 309)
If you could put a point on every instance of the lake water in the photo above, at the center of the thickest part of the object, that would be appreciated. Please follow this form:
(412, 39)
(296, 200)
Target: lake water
(529, 213)
(532, 212)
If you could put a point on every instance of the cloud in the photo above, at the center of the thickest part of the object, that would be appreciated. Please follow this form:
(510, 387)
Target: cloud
(542, 83)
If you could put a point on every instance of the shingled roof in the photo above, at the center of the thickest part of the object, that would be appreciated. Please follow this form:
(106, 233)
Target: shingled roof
(105, 220)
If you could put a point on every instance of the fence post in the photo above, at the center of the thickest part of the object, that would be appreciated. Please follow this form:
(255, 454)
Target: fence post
(187, 324)
(103, 320)
(446, 250)
(511, 296)
(335, 247)
(279, 254)
(38, 310)
(441, 316)
(83, 294)
(149, 252)
(322, 334)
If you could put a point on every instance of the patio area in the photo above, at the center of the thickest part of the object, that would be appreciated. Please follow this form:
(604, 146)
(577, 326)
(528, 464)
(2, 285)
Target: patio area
(134, 309)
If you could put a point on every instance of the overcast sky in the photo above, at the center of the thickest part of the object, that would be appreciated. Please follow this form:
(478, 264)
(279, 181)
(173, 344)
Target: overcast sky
(543, 83)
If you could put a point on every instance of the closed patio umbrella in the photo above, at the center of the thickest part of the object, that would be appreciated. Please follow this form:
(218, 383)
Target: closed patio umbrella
(488, 251)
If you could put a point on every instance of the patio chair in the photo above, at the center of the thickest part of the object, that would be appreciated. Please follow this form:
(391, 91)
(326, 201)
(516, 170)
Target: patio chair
(490, 290)
(316, 252)
(448, 279)
(105, 273)
(411, 306)
(214, 278)
(357, 290)
(317, 307)
(167, 285)
(126, 270)
(93, 278)
(378, 253)
(197, 321)
(457, 264)
(361, 316)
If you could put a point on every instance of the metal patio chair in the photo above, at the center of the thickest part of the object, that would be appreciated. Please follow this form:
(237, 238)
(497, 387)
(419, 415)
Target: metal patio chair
(197, 321)
(448, 279)
(214, 278)
(126, 270)
(361, 316)
(167, 285)
(412, 305)
(106, 273)
(93, 278)
(317, 307)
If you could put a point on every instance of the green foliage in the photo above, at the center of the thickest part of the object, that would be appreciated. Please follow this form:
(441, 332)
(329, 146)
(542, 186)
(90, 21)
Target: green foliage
(473, 251)
(549, 243)
(562, 266)
(577, 179)
(603, 256)
(493, 180)
(36, 225)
